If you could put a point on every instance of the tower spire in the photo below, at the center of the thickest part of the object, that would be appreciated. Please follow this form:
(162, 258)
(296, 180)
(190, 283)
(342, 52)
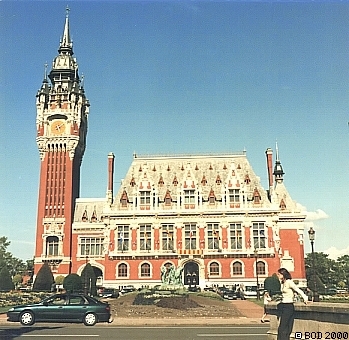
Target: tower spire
(66, 45)
(278, 171)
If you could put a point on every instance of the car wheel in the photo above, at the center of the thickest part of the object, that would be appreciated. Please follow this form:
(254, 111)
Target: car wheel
(27, 318)
(90, 319)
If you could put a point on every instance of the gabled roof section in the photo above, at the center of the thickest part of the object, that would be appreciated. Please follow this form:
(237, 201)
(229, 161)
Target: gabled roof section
(201, 173)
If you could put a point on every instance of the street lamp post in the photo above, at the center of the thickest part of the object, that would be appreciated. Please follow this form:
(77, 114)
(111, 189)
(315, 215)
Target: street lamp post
(311, 233)
(256, 256)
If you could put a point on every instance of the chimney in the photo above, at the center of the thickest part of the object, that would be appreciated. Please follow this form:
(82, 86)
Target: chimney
(110, 177)
(269, 154)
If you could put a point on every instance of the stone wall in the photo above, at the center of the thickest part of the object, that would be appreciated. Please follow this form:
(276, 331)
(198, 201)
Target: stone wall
(316, 320)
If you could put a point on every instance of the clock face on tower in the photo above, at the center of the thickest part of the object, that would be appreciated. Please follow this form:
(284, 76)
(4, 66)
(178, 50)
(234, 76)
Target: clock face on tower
(58, 127)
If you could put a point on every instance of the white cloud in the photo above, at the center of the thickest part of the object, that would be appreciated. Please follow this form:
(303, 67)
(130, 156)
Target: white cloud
(316, 215)
(334, 253)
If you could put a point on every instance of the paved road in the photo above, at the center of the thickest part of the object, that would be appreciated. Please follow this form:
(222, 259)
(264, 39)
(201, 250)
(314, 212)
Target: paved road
(68, 331)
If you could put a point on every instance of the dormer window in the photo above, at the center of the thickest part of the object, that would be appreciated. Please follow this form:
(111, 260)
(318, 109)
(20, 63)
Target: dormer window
(256, 196)
(211, 197)
(168, 199)
(124, 199)
(247, 179)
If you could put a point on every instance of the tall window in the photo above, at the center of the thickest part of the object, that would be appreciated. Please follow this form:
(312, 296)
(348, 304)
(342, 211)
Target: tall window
(235, 230)
(52, 243)
(189, 197)
(145, 236)
(213, 236)
(258, 229)
(190, 235)
(214, 269)
(167, 237)
(237, 268)
(260, 268)
(122, 270)
(91, 246)
(145, 198)
(234, 195)
(123, 235)
(145, 270)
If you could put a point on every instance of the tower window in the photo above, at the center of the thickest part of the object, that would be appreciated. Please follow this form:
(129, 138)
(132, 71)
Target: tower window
(52, 243)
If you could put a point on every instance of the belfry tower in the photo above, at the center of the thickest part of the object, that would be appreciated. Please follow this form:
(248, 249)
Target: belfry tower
(61, 122)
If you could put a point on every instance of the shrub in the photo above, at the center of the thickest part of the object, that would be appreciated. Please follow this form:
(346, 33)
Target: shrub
(72, 283)
(6, 283)
(272, 285)
(44, 279)
(88, 278)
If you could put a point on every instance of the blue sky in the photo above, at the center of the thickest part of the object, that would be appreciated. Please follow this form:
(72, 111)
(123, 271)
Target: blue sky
(169, 77)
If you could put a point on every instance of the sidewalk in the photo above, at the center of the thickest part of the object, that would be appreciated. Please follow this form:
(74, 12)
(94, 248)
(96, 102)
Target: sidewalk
(251, 314)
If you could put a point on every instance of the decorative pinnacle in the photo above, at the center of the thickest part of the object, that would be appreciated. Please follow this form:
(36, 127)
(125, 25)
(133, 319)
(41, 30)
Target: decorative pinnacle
(67, 10)
(45, 72)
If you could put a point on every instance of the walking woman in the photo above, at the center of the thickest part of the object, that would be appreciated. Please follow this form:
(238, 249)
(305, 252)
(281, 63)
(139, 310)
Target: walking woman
(285, 307)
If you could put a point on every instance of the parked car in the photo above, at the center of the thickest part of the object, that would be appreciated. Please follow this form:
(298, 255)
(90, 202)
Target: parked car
(230, 295)
(62, 308)
(127, 289)
(108, 293)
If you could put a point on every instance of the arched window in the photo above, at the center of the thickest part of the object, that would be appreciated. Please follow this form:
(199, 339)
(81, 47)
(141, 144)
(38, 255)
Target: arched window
(260, 268)
(122, 270)
(214, 269)
(52, 243)
(145, 270)
(237, 268)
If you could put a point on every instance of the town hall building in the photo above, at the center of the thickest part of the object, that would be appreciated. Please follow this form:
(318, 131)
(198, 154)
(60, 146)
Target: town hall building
(208, 214)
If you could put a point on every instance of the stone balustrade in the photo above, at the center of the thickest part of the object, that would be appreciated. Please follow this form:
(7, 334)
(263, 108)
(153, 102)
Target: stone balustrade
(316, 320)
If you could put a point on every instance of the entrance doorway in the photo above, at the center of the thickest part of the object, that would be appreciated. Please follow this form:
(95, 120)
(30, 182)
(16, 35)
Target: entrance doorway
(191, 274)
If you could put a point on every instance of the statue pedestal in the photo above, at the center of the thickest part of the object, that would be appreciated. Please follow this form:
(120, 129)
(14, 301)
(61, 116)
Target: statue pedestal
(171, 286)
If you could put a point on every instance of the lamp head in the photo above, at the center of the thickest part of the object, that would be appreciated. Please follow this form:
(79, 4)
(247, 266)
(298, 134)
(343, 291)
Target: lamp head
(311, 233)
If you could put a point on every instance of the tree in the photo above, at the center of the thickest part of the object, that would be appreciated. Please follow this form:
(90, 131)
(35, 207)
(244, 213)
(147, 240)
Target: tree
(72, 283)
(44, 279)
(59, 279)
(17, 280)
(342, 268)
(13, 264)
(89, 280)
(325, 271)
(6, 283)
(272, 285)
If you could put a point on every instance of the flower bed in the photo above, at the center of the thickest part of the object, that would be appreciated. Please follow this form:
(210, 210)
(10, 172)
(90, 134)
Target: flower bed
(15, 298)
